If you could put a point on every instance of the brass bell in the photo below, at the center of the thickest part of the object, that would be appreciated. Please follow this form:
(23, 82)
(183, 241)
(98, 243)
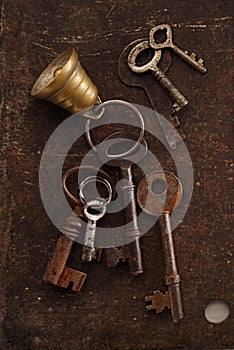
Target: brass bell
(65, 83)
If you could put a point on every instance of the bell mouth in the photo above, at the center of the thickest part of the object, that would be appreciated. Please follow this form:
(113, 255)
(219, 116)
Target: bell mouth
(55, 74)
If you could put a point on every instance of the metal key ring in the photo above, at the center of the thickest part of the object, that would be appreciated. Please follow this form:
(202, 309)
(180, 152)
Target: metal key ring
(95, 179)
(84, 167)
(131, 107)
(95, 204)
(136, 51)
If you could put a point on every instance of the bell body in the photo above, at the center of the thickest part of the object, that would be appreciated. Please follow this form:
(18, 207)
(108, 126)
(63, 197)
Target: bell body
(65, 83)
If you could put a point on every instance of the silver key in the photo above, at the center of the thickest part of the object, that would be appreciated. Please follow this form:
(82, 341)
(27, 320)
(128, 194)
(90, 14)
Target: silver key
(88, 249)
(191, 59)
(180, 100)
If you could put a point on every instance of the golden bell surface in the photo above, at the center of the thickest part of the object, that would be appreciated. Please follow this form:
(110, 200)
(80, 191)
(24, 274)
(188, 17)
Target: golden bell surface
(65, 83)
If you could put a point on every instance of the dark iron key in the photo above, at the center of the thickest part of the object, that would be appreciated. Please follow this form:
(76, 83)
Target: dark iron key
(56, 272)
(131, 251)
(155, 191)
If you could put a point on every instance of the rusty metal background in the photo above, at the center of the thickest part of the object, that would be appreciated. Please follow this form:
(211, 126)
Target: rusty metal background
(110, 312)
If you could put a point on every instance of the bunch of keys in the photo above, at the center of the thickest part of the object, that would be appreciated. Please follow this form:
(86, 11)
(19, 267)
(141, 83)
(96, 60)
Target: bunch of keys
(168, 189)
(128, 70)
(123, 160)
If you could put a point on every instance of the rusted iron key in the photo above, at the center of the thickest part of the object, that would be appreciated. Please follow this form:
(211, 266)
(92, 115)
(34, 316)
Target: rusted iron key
(151, 190)
(168, 43)
(152, 66)
(130, 251)
(56, 271)
(145, 82)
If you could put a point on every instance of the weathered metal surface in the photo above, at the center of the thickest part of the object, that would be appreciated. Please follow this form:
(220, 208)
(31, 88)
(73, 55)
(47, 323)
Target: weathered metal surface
(168, 43)
(56, 271)
(163, 192)
(152, 66)
(145, 82)
(110, 312)
(133, 252)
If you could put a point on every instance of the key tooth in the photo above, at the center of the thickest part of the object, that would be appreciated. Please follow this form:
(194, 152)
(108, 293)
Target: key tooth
(176, 107)
(200, 61)
(175, 121)
(193, 56)
(129, 252)
(56, 271)
(159, 301)
(70, 275)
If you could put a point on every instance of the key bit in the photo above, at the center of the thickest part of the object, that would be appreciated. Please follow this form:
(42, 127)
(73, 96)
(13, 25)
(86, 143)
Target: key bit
(158, 301)
(115, 255)
(56, 272)
(68, 276)
(130, 252)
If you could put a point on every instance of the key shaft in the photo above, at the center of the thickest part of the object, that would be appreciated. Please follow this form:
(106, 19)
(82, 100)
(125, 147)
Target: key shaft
(189, 59)
(172, 277)
(130, 215)
(132, 234)
(167, 84)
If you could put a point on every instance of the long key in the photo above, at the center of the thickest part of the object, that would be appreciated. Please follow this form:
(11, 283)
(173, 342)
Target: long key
(56, 272)
(152, 66)
(191, 59)
(132, 251)
(171, 191)
(131, 79)
(88, 249)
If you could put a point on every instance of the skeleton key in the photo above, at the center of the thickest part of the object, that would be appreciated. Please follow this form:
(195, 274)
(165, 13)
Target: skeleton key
(89, 251)
(151, 191)
(152, 66)
(191, 59)
(56, 271)
(131, 251)
(131, 79)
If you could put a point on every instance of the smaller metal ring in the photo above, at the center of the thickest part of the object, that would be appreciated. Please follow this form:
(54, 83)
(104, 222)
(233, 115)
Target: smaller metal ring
(95, 179)
(136, 51)
(95, 204)
(128, 105)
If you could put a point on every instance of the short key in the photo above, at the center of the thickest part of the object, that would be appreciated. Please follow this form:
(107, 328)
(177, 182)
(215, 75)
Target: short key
(191, 59)
(88, 249)
(152, 66)
(150, 201)
(131, 251)
(89, 252)
(129, 78)
(56, 272)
